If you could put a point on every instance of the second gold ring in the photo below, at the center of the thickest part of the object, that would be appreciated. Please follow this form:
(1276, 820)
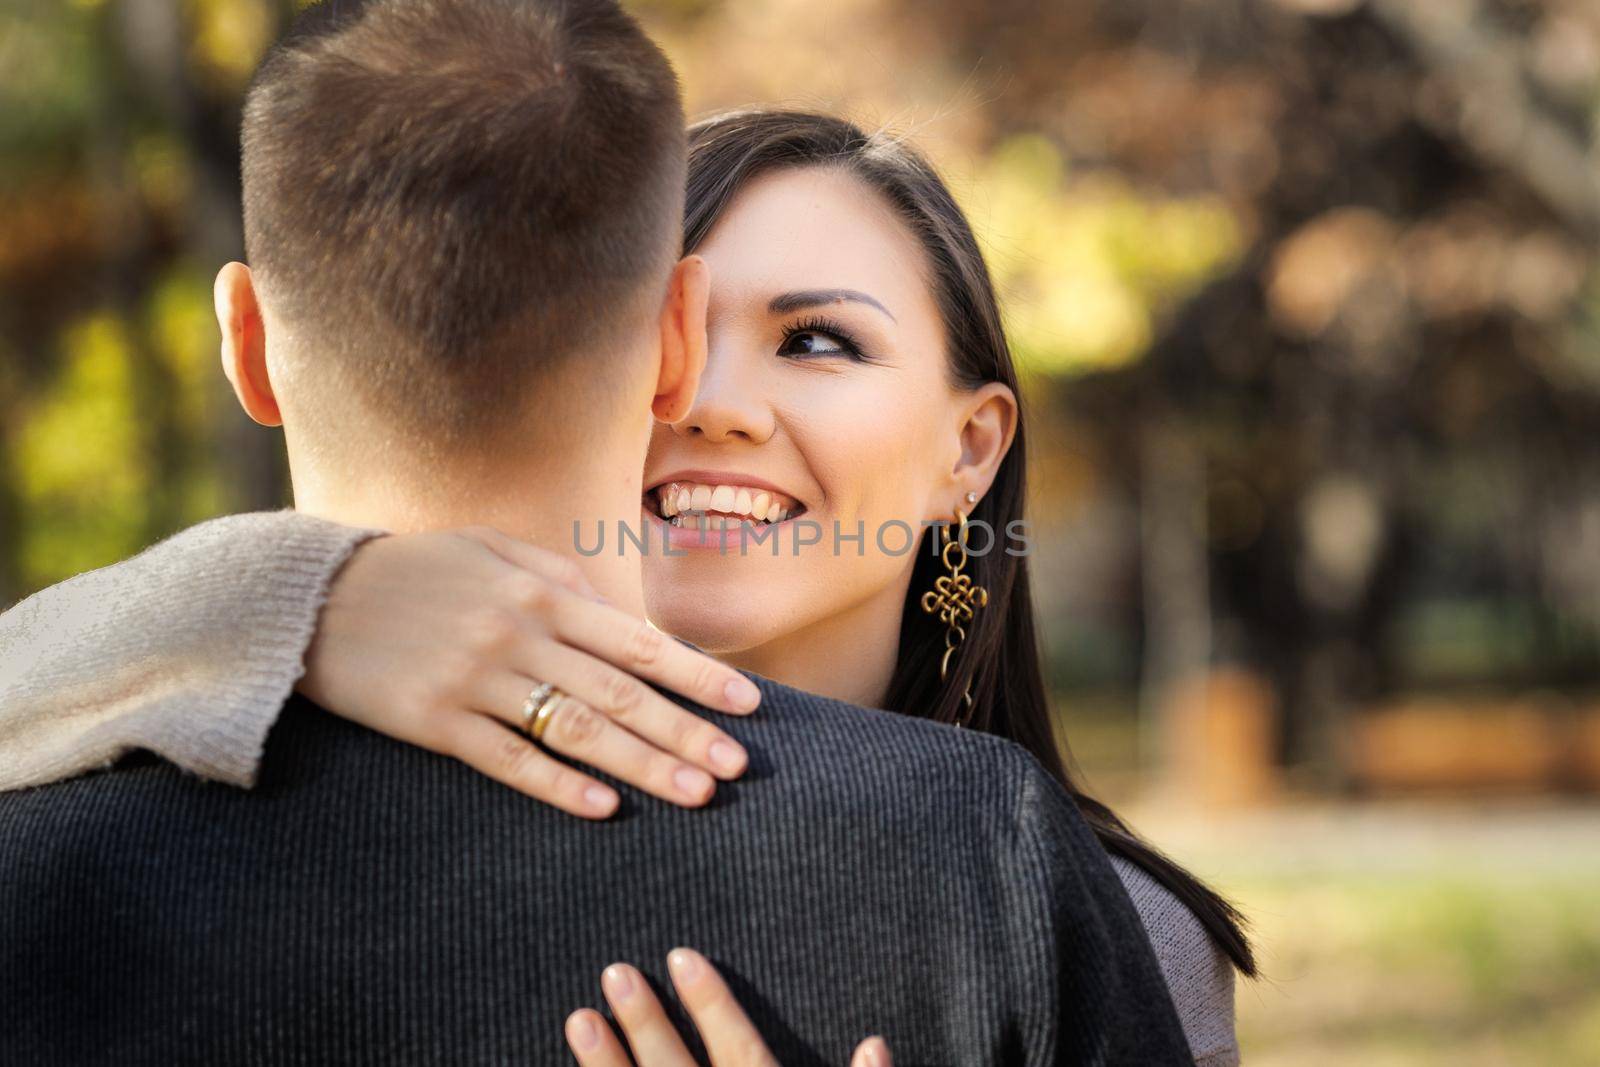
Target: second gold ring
(537, 709)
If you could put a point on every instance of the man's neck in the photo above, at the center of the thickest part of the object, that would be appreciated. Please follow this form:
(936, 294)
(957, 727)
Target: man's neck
(557, 505)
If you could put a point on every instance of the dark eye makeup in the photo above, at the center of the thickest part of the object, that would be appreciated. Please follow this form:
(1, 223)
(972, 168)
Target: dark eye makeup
(815, 338)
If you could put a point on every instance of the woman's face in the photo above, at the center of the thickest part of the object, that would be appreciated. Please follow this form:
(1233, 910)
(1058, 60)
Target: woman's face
(825, 399)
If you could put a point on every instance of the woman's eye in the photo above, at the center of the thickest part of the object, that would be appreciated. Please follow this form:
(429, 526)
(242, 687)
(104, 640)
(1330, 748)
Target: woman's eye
(815, 343)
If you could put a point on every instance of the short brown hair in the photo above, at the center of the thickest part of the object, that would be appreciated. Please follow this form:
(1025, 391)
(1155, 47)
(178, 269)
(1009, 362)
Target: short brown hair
(448, 197)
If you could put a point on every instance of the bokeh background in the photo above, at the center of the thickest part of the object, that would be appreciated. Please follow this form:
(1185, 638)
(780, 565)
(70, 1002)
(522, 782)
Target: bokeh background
(1307, 298)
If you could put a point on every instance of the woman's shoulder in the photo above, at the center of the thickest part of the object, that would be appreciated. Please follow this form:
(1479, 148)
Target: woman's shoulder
(1198, 973)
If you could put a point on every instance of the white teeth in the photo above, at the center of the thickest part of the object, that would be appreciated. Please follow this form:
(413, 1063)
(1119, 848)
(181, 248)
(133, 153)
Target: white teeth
(679, 499)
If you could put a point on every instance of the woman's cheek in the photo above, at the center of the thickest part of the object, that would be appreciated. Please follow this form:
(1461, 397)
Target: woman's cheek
(868, 449)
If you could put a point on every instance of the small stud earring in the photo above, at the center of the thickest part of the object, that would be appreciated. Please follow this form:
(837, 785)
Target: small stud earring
(972, 498)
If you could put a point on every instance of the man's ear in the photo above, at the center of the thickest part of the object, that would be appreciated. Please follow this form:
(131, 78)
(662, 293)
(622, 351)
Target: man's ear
(988, 424)
(244, 343)
(683, 339)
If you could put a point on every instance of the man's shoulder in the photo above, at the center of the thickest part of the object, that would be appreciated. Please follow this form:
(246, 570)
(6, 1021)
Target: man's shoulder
(788, 705)
(811, 758)
(838, 750)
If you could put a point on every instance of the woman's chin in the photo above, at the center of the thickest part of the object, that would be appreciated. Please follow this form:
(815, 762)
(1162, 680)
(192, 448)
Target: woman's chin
(715, 624)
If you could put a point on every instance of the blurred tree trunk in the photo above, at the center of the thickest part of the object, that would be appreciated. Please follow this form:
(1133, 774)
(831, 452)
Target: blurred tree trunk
(1174, 587)
(10, 525)
(153, 46)
(135, 38)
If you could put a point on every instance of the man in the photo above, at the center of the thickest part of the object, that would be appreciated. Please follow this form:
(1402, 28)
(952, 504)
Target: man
(466, 306)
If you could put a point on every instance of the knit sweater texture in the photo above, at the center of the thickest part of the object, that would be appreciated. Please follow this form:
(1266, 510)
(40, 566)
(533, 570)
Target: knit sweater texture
(190, 649)
(373, 902)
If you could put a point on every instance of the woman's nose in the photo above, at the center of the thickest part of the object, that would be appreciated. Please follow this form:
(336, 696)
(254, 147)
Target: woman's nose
(730, 405)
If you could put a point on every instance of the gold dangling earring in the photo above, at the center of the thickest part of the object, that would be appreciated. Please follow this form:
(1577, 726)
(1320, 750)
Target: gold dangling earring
(954, 597)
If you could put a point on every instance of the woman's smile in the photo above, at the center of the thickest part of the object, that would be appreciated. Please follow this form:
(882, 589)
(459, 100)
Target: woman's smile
(721, 499)
(719, 511)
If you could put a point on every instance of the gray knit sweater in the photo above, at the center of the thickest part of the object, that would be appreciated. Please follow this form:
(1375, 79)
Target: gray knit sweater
(191, 648)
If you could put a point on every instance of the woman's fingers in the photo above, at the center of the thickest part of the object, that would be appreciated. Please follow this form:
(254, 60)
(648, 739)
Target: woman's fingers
(654, 1041)
(540, 561)
(627, 642)
(514, 760)
(604, 657)
(640, 649)
(730, 1038)
(592, 1041)
(628, 701)
(448, 627)
(579, 732)
(873, 1052)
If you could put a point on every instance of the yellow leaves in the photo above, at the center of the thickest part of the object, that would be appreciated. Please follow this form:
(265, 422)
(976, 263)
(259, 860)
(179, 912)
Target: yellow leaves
(183, 329)
(1027, 162)
(83, 446)
(160, 168)
(230, 36)
(1086, 263)
(75, 435)
(80, 465)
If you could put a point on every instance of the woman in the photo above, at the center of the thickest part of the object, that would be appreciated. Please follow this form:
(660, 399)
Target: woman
(858, 380)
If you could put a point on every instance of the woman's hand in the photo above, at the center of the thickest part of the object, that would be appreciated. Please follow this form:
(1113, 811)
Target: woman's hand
(438, 638)
(730, 1039)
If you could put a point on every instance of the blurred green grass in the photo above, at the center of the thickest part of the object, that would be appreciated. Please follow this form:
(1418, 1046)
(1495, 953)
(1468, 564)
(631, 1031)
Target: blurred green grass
(1392, 931)
(1399, 933)
(1423, 969)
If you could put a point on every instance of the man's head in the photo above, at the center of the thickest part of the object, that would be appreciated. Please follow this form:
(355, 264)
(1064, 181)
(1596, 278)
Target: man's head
(456, 212)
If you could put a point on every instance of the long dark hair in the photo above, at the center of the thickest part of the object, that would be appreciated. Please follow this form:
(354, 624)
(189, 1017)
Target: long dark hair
(999, 659)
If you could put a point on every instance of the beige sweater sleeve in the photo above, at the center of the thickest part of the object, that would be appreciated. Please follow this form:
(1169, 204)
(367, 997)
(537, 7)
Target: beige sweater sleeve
(1198, 973)
(188, 649)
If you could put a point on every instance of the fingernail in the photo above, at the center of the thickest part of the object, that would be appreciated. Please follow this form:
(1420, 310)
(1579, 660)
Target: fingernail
(875, 1053)
(691, 781)
(582, 1033)
(619, 982)
(727, 755)
(742, 693)
(685, 965)
(599, 798)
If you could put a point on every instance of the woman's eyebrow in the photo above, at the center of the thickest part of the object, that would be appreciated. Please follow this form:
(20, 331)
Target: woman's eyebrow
(810, 298)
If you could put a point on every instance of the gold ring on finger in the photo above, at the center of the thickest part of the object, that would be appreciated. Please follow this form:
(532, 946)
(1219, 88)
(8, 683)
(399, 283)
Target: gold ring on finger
(547, 708)
(530, 707)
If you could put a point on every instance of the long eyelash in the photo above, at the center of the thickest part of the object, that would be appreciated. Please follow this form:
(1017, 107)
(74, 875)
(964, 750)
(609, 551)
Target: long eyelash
(833, 329)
